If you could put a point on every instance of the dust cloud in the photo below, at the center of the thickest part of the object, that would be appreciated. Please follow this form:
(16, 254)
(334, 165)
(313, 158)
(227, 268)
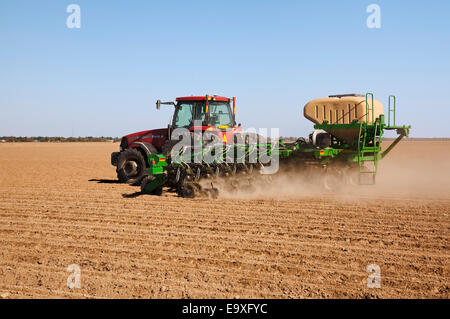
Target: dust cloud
(414, 169)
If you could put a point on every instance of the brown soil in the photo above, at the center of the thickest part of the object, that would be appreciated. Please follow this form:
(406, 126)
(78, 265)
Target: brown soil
(60, 206)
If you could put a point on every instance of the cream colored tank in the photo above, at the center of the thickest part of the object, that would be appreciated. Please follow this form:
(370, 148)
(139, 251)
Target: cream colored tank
(343, 109)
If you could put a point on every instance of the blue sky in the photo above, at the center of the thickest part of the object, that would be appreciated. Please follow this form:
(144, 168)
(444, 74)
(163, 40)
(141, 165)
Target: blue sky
(274, 56)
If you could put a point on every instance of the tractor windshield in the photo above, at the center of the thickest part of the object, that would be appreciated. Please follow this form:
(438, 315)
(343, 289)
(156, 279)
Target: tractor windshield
(219, 114)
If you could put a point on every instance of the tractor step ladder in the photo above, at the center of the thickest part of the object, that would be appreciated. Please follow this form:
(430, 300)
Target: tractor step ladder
(391, 110)
(369, 143)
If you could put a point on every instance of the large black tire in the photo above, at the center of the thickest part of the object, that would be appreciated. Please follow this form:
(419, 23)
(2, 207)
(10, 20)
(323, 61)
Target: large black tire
(333, 179)
(131, 166)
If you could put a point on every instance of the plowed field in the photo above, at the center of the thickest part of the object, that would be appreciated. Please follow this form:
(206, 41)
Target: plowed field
(60, 205)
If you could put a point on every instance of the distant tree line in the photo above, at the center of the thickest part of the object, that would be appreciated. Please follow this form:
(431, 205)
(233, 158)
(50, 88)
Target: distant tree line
(58, 139)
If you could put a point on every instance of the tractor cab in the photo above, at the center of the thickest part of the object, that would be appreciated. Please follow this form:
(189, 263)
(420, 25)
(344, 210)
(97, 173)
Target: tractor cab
(205, 113)
(216, 113)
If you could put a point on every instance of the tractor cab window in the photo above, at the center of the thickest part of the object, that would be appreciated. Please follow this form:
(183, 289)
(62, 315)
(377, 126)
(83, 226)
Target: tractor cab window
(200, 108)
(220, 114)
(183, 115)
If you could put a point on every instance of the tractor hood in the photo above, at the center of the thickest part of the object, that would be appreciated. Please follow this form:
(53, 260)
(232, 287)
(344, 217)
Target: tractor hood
(158, 133)
(155, 137)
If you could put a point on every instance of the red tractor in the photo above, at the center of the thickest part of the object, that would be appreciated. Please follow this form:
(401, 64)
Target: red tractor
(214, 113)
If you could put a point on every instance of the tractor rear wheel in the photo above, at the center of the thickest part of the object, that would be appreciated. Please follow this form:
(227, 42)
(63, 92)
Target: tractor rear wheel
(131, 166)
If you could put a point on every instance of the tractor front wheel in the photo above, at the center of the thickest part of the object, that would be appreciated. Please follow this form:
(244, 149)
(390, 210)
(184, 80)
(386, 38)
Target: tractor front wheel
(131, 166)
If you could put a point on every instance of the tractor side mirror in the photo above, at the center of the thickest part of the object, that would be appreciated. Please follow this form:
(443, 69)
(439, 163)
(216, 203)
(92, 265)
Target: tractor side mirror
(158, 104)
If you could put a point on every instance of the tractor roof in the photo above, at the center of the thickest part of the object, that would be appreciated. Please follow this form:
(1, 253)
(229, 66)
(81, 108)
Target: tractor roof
(203, 98)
